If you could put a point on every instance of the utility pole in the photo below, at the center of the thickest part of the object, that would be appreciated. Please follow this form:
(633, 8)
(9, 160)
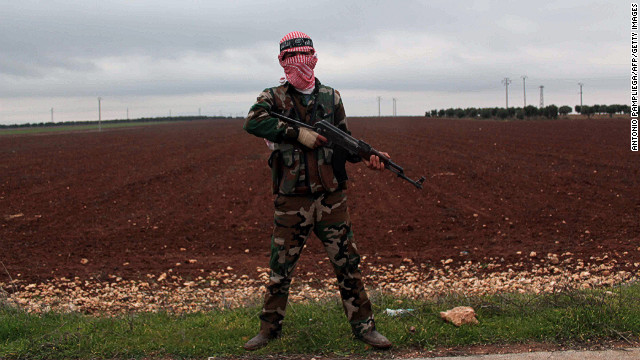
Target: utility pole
(506, 83)
(581, 84)
(524, 90)
(541, 97)
(199, 111)
(51, 114)
(99, 114)
(127, 113)
(379, 98)
(394, 107)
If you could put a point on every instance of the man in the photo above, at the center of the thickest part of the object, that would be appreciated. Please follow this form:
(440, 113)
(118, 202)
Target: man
(309, 180)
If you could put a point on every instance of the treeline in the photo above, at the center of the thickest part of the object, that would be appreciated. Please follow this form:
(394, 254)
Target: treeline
(550, 112)
(95, 122)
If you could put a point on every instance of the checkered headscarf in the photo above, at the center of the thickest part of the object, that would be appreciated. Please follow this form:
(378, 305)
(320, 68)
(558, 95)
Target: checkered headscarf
(298, 69)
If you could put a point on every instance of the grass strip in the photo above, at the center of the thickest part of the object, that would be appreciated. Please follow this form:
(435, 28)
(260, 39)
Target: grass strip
(567, 317)
(69, 128)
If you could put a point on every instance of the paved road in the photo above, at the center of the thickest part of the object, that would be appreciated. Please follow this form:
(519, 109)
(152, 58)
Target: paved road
(618, 354)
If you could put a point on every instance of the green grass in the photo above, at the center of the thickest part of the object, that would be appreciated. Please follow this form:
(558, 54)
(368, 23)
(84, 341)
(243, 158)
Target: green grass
(570, 317)
(68, 128)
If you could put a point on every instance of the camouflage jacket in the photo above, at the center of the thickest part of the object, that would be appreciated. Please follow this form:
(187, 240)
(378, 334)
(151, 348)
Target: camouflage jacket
(295, 168)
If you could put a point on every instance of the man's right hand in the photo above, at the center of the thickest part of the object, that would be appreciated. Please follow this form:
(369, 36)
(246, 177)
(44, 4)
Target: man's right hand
(310, 138)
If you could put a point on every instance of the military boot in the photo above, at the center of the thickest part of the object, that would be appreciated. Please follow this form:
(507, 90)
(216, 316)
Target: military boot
(375, 339)
(259, 341)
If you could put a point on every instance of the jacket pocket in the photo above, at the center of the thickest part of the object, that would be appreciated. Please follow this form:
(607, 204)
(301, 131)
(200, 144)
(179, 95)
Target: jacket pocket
(290, 171)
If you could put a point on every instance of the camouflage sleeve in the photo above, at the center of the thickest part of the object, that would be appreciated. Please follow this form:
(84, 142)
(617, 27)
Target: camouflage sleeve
(261, 124)
(340, 120)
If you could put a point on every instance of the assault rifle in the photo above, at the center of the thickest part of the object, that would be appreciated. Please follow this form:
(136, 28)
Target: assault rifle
(340, 139)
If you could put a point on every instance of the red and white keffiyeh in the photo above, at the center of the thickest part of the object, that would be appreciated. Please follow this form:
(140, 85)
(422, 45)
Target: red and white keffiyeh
(298, 69)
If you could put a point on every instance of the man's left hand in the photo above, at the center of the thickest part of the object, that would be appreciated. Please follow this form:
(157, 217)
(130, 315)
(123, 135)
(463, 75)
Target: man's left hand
(374, 162)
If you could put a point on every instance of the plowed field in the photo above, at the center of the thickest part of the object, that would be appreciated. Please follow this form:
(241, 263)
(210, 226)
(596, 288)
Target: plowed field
(139, 201)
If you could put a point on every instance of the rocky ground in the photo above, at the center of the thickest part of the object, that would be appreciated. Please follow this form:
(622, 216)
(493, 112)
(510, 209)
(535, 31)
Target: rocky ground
(218, 290)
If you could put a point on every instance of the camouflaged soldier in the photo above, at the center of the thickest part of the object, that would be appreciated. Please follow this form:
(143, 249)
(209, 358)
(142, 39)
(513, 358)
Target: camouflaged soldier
(309, 180)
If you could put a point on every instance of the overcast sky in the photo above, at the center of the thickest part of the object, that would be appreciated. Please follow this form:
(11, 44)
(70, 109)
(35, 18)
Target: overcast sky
(157, 57)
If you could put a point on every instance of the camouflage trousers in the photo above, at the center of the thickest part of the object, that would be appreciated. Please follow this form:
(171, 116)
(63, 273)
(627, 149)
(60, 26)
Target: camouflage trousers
(295, 217)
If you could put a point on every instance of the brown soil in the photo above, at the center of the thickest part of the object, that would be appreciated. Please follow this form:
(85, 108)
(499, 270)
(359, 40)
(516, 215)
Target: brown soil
(138, 201)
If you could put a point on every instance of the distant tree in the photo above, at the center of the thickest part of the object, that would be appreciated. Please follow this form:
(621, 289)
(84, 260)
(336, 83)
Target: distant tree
(427, 114)
(471, 112)
(434, 112)
(502, 113)
(552, 112)
(485, 113)
(578, 110)
(450, 112)
(530, 111)
(441, 113)
(587, 110)
(596, 109)
(459, 113)
(612, 109)
(564, 110)
(626, 109)
(520, 114)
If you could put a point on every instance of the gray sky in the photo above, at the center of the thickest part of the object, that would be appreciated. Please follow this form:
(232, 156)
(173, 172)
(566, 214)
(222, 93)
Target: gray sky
(158, 56)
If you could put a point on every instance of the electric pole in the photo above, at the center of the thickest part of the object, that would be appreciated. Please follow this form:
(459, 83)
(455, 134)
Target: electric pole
(541, 97)
(99, 114)
(379, 98)
(394, 107)
(127, 113)
(51, 114)
(581, 84)
(506, 83)
(524, 90)
(199, 111)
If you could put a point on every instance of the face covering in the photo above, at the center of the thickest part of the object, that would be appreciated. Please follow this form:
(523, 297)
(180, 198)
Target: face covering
(298, 70)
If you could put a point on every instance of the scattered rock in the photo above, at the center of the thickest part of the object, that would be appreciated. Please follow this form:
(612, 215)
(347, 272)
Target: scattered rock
(173, 293)
(460, 315)
(15, 216)
(84, 261)
(553, 258)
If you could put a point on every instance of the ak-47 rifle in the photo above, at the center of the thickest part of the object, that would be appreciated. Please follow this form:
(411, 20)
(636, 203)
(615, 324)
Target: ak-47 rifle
(340, 139)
